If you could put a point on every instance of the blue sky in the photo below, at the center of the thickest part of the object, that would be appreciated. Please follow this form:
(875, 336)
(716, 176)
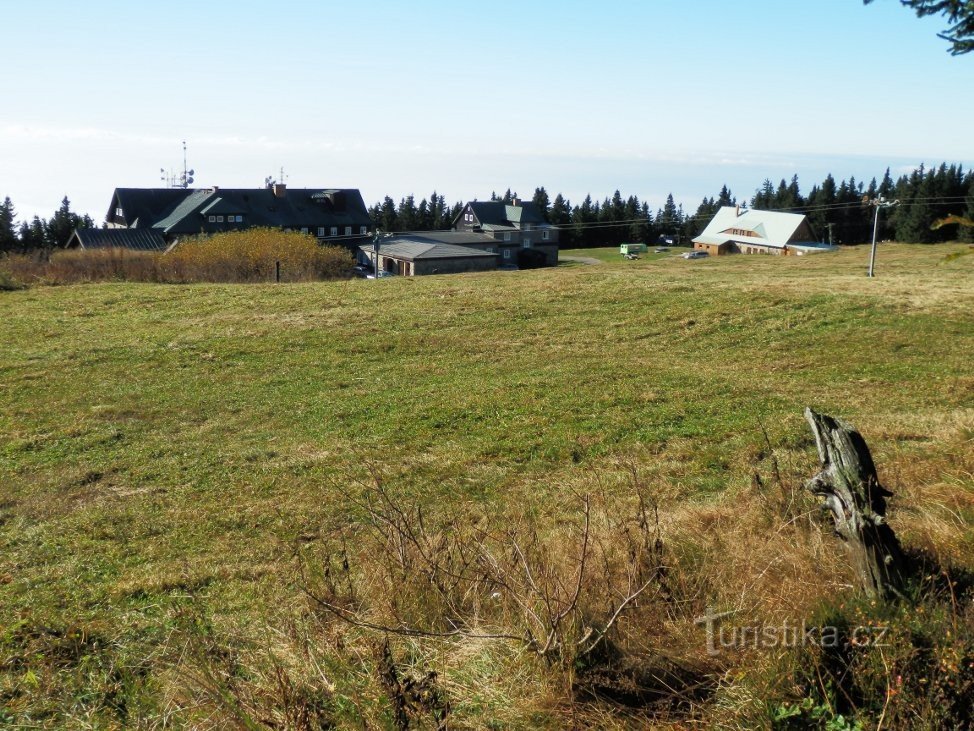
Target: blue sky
(394, 98)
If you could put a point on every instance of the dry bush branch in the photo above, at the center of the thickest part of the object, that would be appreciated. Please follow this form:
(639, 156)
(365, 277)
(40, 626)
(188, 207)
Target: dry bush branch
(442, 575)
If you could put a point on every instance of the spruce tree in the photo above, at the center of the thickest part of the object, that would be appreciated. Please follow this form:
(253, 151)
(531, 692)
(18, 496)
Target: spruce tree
(561, 212)
(540, 199)
(724, 198)
(58, 230)
(8, 233)
(31, 234)
(388, 218)
(764, 198)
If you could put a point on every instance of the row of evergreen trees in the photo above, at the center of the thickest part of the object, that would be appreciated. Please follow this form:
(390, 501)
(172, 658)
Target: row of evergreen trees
(836, 211)
(39, 233)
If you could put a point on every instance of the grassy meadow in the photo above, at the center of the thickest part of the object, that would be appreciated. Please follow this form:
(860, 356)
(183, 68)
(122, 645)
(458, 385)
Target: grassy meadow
(186, 470)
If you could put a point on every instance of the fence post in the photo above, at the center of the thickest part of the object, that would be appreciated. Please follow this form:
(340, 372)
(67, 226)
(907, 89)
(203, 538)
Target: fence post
(277, 271)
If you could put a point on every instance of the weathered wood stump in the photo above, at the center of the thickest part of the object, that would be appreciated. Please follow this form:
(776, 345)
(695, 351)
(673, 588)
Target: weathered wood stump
(851, 489)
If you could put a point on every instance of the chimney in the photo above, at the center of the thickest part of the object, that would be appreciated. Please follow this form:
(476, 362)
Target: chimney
(737, 210)
(516, 202)
(280, 190)
(216, 188)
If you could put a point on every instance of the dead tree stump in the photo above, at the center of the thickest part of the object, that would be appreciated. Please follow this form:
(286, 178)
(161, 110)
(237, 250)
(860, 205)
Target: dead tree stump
(851, 489)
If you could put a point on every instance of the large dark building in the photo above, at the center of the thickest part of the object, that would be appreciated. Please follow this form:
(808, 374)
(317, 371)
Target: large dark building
(333, 215)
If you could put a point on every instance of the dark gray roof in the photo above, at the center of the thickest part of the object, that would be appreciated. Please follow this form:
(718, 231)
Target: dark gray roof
(143, 206)
(499, 213)
(455, 238)
(139, 239)
(412, 247)
(178, 211)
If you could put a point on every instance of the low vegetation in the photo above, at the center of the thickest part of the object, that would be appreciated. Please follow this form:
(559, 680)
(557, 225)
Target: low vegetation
(490, 500)
(238, 256)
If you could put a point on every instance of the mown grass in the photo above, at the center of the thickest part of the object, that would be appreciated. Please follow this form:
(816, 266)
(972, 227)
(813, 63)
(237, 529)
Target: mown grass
(611, 255)
(167, 451)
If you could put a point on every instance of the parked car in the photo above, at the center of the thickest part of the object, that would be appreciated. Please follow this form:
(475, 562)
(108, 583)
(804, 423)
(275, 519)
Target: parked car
(696, 254)
(381, 275)
(361, 270)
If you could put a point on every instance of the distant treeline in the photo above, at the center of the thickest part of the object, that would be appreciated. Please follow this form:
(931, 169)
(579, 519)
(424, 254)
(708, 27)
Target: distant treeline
(836, 210)
(39, 233)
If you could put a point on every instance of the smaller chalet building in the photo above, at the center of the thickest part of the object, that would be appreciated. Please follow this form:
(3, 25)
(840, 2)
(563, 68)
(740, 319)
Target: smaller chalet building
(509, 229)
(733, 231)
(441, 252)
(332, 215)
(485, 236)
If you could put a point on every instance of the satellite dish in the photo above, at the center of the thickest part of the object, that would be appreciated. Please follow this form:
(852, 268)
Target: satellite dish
(192, 172)
(189, 181)
(162, 170)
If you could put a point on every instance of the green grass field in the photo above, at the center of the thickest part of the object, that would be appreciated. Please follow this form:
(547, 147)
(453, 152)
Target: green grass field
(611, 255)
(166, 451)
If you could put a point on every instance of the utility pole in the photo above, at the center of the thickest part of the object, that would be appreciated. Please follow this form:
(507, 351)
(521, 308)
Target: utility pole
(830, 225)
(877, 203)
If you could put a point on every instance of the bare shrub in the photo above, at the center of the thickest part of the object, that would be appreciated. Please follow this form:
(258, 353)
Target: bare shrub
(251, 256)
(236, 256)
(588, 593)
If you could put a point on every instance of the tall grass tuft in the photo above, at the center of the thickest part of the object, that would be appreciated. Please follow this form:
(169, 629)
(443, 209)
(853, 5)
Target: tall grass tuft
(251, 256)
(234, 256)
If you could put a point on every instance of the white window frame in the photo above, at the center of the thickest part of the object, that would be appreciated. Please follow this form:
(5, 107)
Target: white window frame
(304, 229)
(219, 219)
(544, 235)
(212, 219)
(526, 243)
(507, 253)
(118, 212)
(334, 231)
(321, 232)
(507, 236)
(348, 230)
(363, 230)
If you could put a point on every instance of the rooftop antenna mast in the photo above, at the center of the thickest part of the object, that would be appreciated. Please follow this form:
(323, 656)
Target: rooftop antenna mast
(183, 180)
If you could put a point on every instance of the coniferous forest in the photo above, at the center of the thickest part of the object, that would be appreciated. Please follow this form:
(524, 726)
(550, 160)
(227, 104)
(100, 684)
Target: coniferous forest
(837, 212)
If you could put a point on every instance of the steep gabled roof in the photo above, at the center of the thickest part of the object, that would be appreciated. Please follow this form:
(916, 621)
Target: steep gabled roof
(138, 239)
(178, 211)
(769, 228)
(143, 206)
(498, 213)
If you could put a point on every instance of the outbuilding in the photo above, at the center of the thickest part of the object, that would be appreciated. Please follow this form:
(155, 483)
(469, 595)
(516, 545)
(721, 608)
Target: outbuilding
(414, 255)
